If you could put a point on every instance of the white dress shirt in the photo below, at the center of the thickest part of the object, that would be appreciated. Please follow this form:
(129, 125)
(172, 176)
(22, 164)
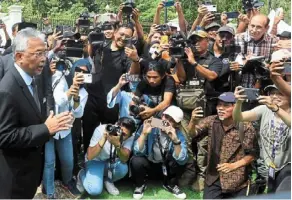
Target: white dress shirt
(62, 102)
(26, 77)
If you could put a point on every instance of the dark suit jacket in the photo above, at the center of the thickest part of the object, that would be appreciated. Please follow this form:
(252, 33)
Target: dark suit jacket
(43, 81)
(22, 136)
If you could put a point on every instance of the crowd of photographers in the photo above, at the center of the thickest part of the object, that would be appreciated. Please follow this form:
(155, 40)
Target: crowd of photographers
(203, 106)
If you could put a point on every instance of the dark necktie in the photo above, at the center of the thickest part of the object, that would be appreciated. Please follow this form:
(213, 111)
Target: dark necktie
(35, 94)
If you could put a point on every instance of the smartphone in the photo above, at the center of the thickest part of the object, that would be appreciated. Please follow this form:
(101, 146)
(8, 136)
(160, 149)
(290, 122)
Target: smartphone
(87, 78)
(168, 3)
(287, 68)
(158, 123)
(211, 8)
(251, 93)
(217, 16)
(232, 15)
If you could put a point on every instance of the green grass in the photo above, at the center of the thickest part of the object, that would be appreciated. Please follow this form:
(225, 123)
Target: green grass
(154, 191)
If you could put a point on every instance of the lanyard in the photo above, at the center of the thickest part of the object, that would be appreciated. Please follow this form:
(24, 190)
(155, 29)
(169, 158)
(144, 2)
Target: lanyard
(277, 137)
(112, 156)
(165, 153)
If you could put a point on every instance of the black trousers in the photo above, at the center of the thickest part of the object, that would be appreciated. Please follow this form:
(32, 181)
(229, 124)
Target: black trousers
(214, 191)
(142, 167)
(279, 178)
(96, 112)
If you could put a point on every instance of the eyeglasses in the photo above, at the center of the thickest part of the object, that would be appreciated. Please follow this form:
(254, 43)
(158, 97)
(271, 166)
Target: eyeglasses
(225, 36)
(39, 54)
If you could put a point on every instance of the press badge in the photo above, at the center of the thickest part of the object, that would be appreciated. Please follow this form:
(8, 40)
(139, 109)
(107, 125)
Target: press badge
(164, 170)
(272, 171)
(195, 82)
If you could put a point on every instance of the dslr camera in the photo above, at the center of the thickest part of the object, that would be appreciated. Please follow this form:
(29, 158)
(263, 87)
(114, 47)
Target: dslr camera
(113, 130)
(129, 5)
(136, 109)
(84, 23)
(163, 28)
(178, 45)
(96, 39)
(250, 4)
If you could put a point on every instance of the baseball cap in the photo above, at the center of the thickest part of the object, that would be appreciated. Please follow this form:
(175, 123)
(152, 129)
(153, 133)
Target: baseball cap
(199, 33)
(285, 34)
(227, 97)
(226, 29)
(212, 25)
(175, 113)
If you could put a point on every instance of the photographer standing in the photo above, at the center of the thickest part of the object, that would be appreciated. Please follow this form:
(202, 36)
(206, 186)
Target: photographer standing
(67, 98)
(107, 155)
(274, 134)
(111, 62)
(160, 148)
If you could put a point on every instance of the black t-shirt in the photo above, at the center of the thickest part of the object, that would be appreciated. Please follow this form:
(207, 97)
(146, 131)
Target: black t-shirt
(210, 62)
(108, 69)
(156, 94)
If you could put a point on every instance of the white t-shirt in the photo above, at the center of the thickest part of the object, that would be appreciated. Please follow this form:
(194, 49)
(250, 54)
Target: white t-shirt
(105, 152)
(266, 140)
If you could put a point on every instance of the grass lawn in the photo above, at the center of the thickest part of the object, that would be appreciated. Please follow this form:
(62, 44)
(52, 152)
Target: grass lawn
(154, 191)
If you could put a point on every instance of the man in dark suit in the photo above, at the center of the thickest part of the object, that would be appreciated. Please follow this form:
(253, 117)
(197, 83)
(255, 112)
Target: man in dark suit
(23, 128)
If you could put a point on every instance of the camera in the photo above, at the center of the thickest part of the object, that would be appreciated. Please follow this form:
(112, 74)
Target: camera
(230, 50)
(256, 66)
(84, 23)
(208, 4)
(73, 48)
(178, 45)
(136, 109)
(250, 4)
(106, 26)
(163, 28)
(129, 5)
(96, 39)
(113, 130)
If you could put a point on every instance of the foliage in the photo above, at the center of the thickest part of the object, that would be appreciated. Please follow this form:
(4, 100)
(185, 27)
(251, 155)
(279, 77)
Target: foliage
(70, 9)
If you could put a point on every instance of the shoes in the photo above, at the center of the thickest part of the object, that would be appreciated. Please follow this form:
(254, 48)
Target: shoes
(79, 184)
(111, 188)
(72, 189)
(139, 192)
(175, 191)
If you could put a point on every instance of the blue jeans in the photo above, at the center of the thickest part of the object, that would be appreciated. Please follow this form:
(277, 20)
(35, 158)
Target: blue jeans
(65, 152)
(92, 176)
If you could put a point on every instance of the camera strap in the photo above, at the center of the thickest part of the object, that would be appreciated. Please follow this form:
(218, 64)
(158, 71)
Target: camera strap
(112, 160)
(276, 139)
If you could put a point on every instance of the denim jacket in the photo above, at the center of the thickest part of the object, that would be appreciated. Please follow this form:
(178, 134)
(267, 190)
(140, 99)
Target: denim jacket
(148, 147)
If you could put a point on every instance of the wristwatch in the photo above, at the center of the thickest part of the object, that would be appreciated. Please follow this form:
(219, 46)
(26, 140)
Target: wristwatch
(76, 99)
(277, 109)
(195, 64)
(176, 143)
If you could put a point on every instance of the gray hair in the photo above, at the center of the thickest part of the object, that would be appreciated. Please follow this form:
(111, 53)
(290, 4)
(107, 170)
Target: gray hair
(22, 37)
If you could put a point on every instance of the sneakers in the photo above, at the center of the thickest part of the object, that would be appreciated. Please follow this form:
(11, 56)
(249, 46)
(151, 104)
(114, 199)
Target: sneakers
(111, 188)
(72, 189)
(79, 184)
(139, 192)
(175, 191)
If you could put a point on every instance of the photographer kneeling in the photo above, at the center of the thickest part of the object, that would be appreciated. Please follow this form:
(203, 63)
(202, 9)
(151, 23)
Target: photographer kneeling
(109, 150)
(160, 147)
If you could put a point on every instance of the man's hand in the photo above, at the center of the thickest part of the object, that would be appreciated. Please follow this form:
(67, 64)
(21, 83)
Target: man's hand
(147, 128)
(190, 54)
(226, 167)
(238, 94)
(53, 67)
(243, 18)
(234, 66)
(114, 140)
(276, 68)
(59, 122)
(132, 53)
(207, 19)
(136, 14)
(268, 101)
(123, 81)
(178, 6)
(160, 6)
(224, 19)
(148, 112)
(202, 11)
(197, 114)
